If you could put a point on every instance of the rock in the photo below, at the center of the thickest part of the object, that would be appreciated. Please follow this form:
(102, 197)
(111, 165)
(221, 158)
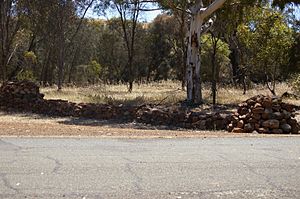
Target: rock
(243, 111)
(267, 102)
(244, 117)
(256, 126)
(200, 125)
(256, 116)
(250, 102)
(277, 116)
(283, 121)
(286, 114)
(230, 127)
(286, 128)
(209, 124)
(273, 124)
(220, 124)
(260, 99)
(258, 110)
(263, 130)
(240, 124)
(294, 124)
(243, 104)
(276, 108)
(238, 130)
(248, 128)
(257, 105)
(267, 114)
(235, 119)
(288, 107)
(277, 131)
(252, 120)
(276, 100)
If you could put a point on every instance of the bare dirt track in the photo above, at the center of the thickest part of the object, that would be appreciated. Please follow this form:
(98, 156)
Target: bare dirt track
(35, 125)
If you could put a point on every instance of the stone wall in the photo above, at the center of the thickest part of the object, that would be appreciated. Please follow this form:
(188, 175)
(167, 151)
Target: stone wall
(259, 114)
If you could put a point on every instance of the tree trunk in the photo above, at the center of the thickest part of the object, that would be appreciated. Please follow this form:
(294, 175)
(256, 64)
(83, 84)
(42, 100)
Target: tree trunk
(194, 93)
(184, 48)
(61, 68)
(130, 86)
(3, 35)
(214, 69)
(61, 57)
(130, 74)
(73, 65)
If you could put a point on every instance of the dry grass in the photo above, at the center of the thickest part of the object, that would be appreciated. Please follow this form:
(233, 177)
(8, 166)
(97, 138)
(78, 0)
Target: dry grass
(231, 95)
(164, 92)
(167, 92)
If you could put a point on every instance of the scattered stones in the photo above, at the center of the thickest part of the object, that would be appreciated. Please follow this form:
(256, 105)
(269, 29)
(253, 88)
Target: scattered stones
(264, 115)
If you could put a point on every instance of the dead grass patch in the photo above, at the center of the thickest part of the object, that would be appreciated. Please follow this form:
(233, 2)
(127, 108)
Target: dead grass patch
(167, 92)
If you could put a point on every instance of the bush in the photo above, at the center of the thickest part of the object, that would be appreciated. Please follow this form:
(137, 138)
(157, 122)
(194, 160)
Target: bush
(25, 75)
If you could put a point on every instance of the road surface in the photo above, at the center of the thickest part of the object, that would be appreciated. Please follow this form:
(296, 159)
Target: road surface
(150, 168)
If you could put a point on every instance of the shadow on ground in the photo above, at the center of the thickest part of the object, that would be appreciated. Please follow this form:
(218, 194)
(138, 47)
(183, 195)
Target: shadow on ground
(115, 124)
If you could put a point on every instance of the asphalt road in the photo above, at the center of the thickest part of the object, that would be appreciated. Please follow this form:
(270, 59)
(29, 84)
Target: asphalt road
(150, 168)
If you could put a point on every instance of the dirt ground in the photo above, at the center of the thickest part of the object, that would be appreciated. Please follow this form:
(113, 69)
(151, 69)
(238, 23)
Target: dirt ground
(24, 125)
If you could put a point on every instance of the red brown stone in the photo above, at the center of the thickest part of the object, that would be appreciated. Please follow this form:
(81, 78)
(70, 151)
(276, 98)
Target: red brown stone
(258, 110)
(238, 130)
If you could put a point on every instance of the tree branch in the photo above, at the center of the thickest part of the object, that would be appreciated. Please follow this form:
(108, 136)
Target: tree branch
(211, 8)
(208, 25)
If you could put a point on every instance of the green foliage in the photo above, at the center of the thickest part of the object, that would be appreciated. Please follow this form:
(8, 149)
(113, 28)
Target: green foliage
(94, 68)
(30, 57)
(222, 58)
(87, 73)
(32, 42)
(26, 75)
(266, 39)
(93, 71)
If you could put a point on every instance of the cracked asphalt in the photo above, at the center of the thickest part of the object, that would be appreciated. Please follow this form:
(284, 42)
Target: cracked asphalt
(150, 168)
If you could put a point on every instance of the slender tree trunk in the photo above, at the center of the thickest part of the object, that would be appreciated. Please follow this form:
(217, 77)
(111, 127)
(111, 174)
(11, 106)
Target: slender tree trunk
(131, 74)
(61, 63)
(3, 35)
(61, 55)
(214, 70)
(72, 65)
(184, 49)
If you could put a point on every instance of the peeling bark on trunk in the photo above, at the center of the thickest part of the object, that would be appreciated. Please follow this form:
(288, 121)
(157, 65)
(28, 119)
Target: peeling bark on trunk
(199, 14)
(194, 93)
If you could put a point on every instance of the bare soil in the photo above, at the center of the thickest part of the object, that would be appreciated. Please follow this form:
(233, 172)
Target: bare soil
(26, 125)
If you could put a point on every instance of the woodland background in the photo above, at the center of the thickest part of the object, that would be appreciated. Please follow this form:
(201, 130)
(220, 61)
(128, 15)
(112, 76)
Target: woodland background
(54, 43)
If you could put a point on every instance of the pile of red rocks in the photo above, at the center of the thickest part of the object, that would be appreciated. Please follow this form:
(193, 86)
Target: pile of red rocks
(264, 114)
(183, 117)
(19, 95)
